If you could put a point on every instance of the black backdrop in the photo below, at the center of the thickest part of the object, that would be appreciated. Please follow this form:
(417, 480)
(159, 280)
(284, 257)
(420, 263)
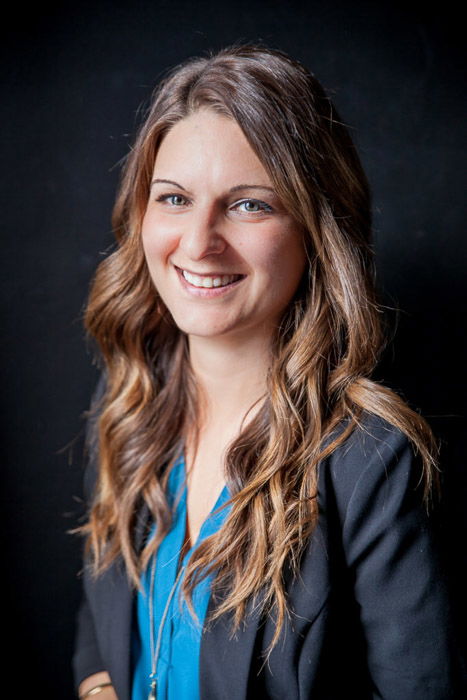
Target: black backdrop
(73, 79)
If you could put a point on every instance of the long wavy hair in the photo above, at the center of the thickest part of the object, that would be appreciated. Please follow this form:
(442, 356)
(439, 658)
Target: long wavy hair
(323, 353)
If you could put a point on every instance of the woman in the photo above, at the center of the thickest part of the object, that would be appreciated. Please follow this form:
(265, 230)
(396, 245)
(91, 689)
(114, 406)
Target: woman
(258, 524)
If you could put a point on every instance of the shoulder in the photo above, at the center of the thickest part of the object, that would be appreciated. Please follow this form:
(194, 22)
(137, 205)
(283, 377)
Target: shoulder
(373, 508)
(376, 464)
(374, 440)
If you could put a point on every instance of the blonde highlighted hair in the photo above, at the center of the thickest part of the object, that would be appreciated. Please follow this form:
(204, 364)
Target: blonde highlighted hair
(323, 353)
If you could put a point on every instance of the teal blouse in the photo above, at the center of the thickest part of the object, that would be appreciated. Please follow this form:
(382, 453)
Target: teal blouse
(178, 662)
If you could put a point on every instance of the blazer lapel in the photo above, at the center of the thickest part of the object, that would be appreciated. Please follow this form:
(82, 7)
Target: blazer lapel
(119, 603)
(224, 662)
(120, 596)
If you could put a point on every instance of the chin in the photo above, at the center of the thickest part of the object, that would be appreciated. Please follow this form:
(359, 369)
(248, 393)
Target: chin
(199, 327)
(203, 331)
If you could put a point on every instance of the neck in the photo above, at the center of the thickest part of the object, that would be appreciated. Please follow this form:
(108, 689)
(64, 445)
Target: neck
(231, 376)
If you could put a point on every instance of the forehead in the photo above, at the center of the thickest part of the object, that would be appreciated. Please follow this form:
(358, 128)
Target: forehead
(210, 146)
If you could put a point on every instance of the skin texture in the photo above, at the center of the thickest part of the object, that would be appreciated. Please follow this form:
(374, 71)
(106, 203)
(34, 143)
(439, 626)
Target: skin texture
(204, 227)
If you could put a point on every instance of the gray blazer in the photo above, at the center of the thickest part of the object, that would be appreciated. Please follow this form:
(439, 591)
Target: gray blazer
(370, 613)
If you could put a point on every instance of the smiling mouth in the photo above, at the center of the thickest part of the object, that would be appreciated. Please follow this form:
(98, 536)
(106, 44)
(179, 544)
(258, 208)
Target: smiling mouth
(210, 281)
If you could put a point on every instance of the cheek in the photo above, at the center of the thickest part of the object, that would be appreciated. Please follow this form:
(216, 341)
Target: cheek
(289, 267)
(284, 257)
(157, 242)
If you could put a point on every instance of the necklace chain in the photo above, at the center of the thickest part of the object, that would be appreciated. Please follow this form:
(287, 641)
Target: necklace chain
(155, 647)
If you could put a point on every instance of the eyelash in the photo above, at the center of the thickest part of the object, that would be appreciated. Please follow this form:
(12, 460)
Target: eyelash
(264, 207)
(165, 197)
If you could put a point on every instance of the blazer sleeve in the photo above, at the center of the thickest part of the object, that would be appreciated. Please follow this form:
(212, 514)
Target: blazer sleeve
(391, 553)
(86, 657)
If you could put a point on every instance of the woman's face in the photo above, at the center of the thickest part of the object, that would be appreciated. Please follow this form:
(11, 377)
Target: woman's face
(224, 255)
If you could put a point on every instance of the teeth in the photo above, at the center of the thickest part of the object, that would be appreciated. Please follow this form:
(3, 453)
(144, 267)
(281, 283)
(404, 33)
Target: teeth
(208, 282)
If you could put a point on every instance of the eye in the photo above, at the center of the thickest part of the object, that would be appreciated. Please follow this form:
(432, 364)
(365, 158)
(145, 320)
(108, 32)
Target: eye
(174, 200)
(252, 206)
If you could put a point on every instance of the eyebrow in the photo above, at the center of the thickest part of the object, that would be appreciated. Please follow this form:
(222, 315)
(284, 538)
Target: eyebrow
(232, 189)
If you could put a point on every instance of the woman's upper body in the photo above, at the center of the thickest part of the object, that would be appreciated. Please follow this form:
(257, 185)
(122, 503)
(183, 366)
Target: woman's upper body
(369, 610)
(238, 324)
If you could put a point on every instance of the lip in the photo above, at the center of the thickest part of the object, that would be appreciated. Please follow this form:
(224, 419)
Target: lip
(206, 292)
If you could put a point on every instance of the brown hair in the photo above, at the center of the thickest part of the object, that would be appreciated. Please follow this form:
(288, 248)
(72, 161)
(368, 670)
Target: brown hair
(323, 353)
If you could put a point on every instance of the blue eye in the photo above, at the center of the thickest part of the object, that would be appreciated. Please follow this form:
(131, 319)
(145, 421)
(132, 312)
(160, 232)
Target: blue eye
(176, 200)
(253, 206)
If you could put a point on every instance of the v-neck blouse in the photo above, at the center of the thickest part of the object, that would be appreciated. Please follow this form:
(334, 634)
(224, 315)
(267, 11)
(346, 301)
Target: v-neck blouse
(178, 662)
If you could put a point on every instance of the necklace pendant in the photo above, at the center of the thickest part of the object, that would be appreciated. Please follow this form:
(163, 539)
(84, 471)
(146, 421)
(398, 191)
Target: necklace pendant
(152, 692)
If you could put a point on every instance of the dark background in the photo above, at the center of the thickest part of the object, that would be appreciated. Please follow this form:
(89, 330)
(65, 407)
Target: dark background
(74, 78)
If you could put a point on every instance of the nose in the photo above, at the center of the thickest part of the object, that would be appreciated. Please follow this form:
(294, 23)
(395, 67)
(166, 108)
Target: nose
(201, 236)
